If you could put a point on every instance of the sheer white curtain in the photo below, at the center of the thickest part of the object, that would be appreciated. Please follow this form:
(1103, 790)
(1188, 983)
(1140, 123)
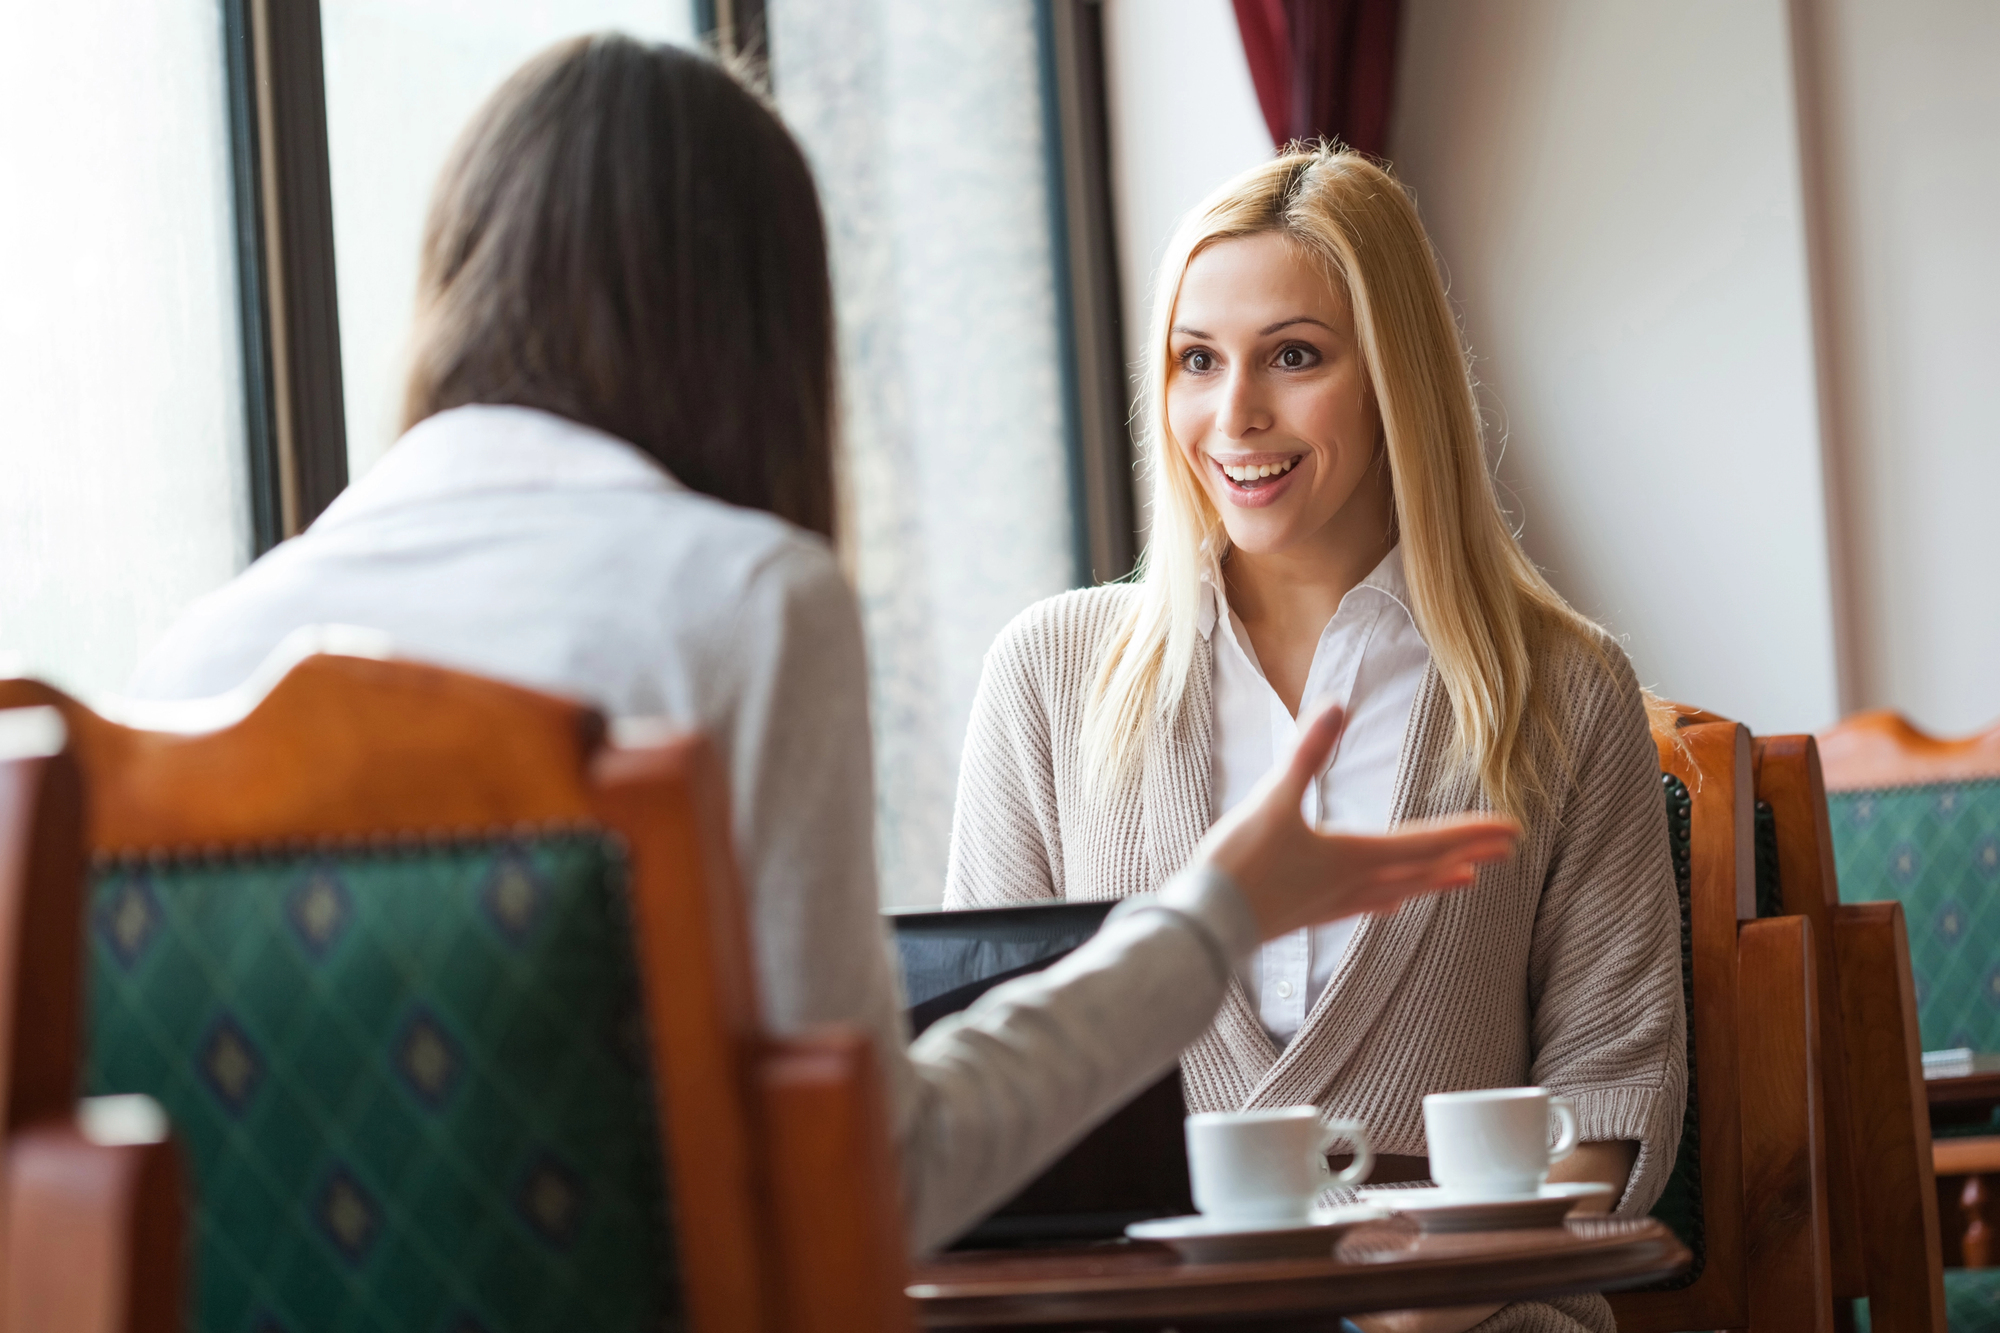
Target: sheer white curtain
(925, 124)
(123, 466)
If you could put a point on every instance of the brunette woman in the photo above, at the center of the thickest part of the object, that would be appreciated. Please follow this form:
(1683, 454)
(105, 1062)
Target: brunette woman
(1325, 533)
(616, 484)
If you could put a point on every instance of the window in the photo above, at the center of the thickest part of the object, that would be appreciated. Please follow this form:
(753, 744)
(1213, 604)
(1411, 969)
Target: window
(236, 196)
(935, 135)
(402, 77)
(124, 454)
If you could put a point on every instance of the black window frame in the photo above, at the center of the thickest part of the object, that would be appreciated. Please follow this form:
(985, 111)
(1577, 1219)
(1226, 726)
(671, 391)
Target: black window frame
(287, 296)
(1096, 386)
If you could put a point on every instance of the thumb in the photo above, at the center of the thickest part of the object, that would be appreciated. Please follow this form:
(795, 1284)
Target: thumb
(1315, 746)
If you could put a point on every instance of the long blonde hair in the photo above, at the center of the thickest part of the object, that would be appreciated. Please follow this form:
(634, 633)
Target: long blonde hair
(1480, 604)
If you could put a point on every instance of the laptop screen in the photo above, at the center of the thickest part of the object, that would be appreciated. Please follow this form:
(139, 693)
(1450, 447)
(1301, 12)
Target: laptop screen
(1131, 1167)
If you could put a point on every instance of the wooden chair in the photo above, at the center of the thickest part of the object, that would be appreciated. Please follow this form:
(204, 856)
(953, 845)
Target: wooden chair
(448, 951)
(1884, 1233)
(60, 1178)
(1915, 820)
(1748, 1192)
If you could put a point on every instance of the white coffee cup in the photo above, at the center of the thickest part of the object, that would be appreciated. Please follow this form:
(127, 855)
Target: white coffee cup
(1268, 1166)
(1494, 1143)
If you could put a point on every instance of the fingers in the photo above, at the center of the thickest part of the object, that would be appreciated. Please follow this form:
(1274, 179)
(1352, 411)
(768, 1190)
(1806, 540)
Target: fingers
(1315, 747)
(1478, 838)
(1426, 858)
(1291, 875)
(1492, 825)
(1409, 880)
(1408, 871)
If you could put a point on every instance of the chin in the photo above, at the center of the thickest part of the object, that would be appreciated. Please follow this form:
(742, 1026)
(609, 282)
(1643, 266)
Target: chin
(1259, 538)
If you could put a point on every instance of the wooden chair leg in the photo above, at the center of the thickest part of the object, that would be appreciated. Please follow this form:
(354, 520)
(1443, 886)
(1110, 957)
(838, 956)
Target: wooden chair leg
(1784, 1130)
(1891, 1121)
(95, 1234)
(1977, 1245)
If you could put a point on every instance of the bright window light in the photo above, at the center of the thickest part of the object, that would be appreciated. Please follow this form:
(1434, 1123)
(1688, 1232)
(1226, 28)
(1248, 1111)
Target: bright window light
(402, 78)
(125, 491)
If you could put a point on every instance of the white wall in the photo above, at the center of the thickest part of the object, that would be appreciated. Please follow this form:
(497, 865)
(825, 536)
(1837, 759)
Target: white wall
(1911, 151)
(1614, 188)
(1184, 119)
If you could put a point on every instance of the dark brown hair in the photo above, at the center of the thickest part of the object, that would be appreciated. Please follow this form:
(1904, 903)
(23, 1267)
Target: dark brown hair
(626, 236)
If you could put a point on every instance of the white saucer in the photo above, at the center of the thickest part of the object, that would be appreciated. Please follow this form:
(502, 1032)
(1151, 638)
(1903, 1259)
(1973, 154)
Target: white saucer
(1210, 1240)
(1447, 1210)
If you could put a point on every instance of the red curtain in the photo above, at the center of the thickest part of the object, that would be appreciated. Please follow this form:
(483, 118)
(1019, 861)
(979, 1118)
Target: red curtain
(1323, 68)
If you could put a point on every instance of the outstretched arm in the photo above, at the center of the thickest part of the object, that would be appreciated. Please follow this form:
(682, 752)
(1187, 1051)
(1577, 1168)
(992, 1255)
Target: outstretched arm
(986, 1099)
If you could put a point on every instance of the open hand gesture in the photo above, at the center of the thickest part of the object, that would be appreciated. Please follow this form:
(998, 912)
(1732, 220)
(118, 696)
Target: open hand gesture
(1292, 875)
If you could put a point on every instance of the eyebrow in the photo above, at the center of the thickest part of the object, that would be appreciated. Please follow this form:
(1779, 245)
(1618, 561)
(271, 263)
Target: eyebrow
(1264, 332)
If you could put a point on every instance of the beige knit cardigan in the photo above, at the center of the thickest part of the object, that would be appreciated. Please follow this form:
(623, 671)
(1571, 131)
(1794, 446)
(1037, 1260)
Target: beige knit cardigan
(1560, 968)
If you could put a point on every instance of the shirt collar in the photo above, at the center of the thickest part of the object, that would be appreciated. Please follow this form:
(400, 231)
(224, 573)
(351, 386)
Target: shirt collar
(1386, 578)
(489, 448)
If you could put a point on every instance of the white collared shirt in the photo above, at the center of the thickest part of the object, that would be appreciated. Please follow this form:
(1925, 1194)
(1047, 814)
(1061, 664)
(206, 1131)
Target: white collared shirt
(1371, 661)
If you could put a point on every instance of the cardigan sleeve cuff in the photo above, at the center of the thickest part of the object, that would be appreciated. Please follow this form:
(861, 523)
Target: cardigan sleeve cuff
(1642, 1115)
(1209, 900)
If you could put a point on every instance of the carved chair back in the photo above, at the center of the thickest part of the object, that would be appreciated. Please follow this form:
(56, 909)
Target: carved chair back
(450, 1003)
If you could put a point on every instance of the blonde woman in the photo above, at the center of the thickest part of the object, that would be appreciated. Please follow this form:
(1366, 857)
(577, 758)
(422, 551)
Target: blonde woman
(1325, 531)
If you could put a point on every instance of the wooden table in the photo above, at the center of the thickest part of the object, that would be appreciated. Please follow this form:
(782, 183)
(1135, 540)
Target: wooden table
(1970, 1083)
(1964, 1093)
(1383, 1266)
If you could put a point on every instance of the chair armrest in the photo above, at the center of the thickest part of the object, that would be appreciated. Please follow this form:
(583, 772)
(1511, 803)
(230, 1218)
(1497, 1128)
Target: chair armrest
(1966, 1157)
(834, 1185)
(95, 1233)
(1785, 1222)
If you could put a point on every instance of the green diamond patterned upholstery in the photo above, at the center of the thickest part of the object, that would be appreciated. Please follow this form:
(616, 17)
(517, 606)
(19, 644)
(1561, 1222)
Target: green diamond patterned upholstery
(1679, 1204)
(411, 1083)
(1972, 1299)
(1936, 849)
(1971, 1302)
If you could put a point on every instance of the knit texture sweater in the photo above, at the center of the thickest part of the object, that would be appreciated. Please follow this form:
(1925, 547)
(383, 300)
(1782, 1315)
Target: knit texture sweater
(1560, 968)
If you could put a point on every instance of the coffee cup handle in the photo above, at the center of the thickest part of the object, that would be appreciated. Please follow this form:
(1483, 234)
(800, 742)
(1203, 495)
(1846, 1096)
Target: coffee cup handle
(1351, 1131)
(1564, 1110)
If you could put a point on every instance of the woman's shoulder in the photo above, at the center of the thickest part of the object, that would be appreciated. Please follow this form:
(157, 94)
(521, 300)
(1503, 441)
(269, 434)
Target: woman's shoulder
(1069, 628)
(1587, 674)
(1053, 647)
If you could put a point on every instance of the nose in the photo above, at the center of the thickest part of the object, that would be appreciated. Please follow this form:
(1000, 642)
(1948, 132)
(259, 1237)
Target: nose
(1242, 411)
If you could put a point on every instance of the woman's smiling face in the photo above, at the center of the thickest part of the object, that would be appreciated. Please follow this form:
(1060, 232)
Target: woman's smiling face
(1267, 396)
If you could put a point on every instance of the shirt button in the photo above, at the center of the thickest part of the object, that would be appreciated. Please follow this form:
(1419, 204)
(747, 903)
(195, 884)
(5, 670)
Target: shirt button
(1284, 990)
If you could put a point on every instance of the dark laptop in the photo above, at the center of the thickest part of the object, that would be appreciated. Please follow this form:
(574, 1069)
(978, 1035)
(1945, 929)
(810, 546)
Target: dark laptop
(1131, 1167)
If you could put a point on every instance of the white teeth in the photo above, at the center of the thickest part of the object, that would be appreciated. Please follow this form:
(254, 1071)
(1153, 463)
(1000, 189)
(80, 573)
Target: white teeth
(1254, 471)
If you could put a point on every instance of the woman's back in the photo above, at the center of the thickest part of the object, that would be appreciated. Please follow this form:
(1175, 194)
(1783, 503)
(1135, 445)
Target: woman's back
(508, 542)
(485, 519)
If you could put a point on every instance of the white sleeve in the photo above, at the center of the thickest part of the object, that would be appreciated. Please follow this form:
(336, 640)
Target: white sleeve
(986, 1099)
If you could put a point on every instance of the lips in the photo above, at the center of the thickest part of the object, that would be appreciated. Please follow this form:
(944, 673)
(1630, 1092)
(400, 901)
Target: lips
(1253, 482)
